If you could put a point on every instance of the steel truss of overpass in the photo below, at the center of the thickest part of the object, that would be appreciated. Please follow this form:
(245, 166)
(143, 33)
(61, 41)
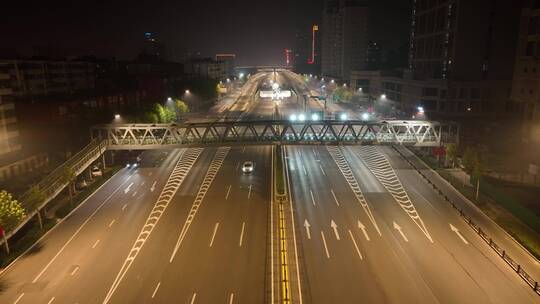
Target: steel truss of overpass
(158, 136)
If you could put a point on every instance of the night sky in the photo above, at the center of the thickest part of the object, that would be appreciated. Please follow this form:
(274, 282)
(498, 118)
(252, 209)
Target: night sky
(257, 31)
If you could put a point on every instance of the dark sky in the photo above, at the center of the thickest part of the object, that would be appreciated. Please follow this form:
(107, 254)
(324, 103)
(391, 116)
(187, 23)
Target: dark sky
(257, 31)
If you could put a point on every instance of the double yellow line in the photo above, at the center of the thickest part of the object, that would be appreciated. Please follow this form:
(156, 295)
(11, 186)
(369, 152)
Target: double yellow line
(285, 282)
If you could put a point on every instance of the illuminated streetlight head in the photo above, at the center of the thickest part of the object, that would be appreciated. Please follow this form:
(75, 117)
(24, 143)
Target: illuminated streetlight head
(420, 110)
(360, 89)
(169, 99)
(302, 117)
(293, 117)
(116, 116)
(314, 117)
(383, 96)
(332, 81)
(365, 116)
(187, 92)
(343, 116)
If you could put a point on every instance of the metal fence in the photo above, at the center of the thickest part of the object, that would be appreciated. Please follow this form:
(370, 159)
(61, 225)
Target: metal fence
(500, 251)
(56, 181)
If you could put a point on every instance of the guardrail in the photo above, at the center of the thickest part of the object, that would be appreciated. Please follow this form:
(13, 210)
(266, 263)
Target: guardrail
(56, 181)
(500, 252)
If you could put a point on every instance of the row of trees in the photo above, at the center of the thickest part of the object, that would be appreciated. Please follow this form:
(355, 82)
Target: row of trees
(11, 211)
(168, 113)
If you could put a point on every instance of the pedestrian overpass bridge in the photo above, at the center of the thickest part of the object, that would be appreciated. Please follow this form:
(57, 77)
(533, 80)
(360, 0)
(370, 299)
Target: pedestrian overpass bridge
(285, 132)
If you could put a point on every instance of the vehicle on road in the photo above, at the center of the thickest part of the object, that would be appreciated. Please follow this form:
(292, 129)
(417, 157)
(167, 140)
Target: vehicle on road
(96, 171)
(248, 167)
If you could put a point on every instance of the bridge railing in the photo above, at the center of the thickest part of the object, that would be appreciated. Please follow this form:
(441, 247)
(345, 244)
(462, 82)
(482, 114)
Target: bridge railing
(148, 136)
(57, 180)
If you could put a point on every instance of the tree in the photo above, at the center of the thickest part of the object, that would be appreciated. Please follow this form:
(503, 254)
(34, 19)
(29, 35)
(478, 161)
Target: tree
(451, 153)
(469, 159)
(181, 106)
(69, 176)
(35, 198)
(11, 211)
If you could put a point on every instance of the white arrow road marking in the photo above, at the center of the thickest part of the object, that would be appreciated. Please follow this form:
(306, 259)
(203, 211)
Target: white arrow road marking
(128, 188)
(334, 226)
(334, 195)
(363, 228)
(242, 234)
(398, 228)
(312, 198)
(155, 290)
(214, 234)
(307, 225)
(228, 191)
(355, 245)
(325, 247)
(153, 186)
(459, 234)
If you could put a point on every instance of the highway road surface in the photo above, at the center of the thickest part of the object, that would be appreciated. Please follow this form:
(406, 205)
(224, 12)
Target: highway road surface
(188, 226)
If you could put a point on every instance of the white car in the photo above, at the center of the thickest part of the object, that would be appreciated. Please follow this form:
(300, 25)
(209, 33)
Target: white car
(248, 166)
(96, 172)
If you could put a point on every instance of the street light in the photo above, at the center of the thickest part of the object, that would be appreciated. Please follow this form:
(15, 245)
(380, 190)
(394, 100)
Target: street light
(359, 89)
(343, 116)
(314, 117)
(293, 117)
(420, 110)
(187, 92)
(116, 116)
(383, 96)
(302, 117)
(169, 99)
(365, 116)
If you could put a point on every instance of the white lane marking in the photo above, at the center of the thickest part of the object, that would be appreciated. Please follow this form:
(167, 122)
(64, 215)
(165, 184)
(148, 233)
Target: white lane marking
(324, 173)
(111, 223)
(346, 171)
(228, 191)
(214, 234)
(242, 234)
(186, 160)
(153, 186)
(293, 230)
(243, 150)
(325, 247)
(272, 225)
(51, 300)
(249, 193)
(453, 228)
(334, 226)
(124, 207)
(398, 228)
(95, 244)
(128, 188)
(237, 166)
(193, 298)
(304, 167)
(76, 233)
(312, 198)
(307, 225)
(19, 298)
(134, 193)
(355, 245)
(231, 298)
(74, 271)
(334, 195)
(363, 228)
(155, 290)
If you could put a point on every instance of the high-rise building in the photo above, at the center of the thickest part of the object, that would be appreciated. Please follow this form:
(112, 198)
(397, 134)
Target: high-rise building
(345, 37)
(307, 50)
(229, 60)
(460, 60)
(526, 82)
(153, 50)
(465, 40)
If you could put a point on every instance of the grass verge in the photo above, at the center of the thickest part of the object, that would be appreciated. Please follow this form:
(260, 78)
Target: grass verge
(31, 232)
(501, 207)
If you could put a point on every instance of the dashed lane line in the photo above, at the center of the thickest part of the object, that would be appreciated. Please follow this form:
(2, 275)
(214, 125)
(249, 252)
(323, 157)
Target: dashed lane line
(346, 171)
(379, 165)
(219, 157)
(186, 160)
